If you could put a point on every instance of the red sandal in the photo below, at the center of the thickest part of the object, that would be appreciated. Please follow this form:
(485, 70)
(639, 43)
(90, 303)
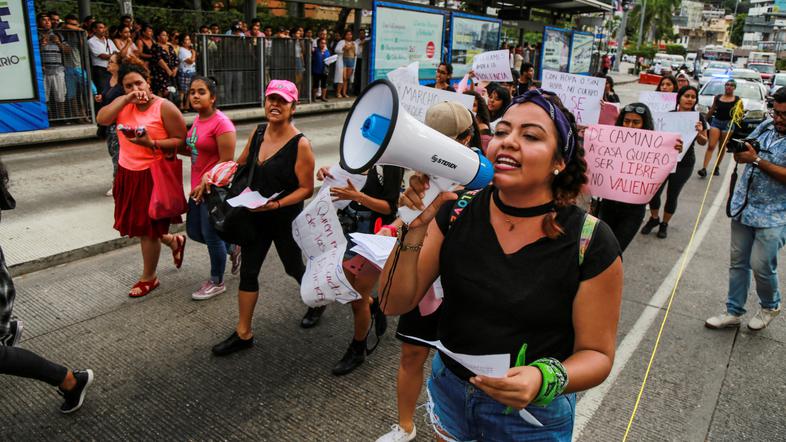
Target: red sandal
(179, 252)
(144, 287)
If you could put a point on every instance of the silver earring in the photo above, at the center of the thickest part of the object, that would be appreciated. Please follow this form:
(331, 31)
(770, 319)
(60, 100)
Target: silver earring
(556, 172)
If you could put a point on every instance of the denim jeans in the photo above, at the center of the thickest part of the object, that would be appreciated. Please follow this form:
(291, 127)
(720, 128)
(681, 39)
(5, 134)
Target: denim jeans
(199, 229)
(462, 412)
(754, 249)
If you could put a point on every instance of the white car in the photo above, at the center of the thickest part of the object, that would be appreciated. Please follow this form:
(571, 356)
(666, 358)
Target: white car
(746, 74)
(710, 73)
(778, 81)
(754, 100)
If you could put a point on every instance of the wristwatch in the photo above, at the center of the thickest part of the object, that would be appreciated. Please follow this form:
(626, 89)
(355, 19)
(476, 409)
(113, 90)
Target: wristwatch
(756, 161)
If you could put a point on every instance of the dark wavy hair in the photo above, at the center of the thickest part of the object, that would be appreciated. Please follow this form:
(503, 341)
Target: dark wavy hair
(633, 108)
(669, 78)
(682, 92)
(132, 66)
(482, 114)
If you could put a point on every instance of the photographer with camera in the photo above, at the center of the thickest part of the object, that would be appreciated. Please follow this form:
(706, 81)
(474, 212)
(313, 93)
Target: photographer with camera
(757, 208)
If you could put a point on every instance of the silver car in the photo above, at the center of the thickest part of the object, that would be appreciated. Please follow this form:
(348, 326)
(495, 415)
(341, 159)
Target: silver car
(778, 81)
(746, 74)
(710, 73)
(754, 101)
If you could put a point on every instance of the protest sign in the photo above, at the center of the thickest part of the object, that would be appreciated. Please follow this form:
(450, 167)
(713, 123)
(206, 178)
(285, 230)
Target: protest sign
(405, 75)
(317, 229)
(579, 93)
(492, 66)
(318, 233)
(683, 123)
(418, 99)
(609, 113)
(659, 101)
(325, 281)
(338, 178)
(628, 165)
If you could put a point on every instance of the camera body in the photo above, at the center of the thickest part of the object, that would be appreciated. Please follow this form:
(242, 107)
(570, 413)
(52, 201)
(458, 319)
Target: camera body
(736, 145)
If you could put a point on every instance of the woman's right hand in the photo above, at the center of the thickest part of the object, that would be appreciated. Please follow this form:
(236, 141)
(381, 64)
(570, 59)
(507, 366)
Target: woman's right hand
(323, 172)
(137, 97)
(413, 199)
(198, 191)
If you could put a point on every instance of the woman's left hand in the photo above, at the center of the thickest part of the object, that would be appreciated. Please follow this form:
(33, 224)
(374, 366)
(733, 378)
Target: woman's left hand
(517, 389)
(270, 205)
(345, 193)
(144, 140)
(678, 146)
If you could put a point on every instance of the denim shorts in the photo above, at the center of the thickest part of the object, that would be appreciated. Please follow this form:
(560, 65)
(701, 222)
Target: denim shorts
(723, 125)
(349, 62)
(461, 412)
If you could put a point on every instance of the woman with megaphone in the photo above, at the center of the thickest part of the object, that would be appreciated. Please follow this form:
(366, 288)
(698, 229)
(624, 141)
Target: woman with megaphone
(526, 274)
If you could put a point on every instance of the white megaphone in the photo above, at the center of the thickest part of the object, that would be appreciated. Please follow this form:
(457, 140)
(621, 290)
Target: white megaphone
(379, 131)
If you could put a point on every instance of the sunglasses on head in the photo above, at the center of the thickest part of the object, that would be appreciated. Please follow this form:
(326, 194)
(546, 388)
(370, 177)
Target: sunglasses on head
(637, 109)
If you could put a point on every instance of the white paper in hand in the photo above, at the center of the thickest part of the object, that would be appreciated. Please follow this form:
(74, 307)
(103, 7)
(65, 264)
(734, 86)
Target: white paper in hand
(339, 179)
(251, 199)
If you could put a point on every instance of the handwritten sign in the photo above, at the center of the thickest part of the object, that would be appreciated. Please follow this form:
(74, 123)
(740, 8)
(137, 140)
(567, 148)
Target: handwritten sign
(579, 93)
(405, 75)
(659, 101)
(325, 281)
(492, 66)
(418, 99)
(608, 114)
(683, 123)
(318, 233)
(628, 165)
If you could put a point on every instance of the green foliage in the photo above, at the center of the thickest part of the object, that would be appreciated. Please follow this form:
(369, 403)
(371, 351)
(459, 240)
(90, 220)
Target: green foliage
(657, 20)
(780, 64)
(737, 29)
(644, 51)
(676, 50)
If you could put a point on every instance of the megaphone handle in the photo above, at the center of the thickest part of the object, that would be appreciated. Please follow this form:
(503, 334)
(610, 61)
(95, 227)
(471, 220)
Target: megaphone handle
(437, 185)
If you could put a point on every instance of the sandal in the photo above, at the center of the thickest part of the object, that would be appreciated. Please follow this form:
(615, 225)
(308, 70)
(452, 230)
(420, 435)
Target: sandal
(144, 287)
(178, 253)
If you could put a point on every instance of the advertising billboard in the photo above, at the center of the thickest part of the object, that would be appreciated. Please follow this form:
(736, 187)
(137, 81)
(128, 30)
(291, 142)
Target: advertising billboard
(556, 49)
(581, 46)
(17, 71)
(471, 35)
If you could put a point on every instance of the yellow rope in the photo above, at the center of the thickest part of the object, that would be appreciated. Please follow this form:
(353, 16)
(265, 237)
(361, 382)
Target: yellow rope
(737, 115)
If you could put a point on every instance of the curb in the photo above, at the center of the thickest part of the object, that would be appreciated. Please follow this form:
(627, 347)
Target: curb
(60, 134)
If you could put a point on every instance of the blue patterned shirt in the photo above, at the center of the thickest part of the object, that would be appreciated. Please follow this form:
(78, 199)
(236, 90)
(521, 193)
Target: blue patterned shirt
(767, 197)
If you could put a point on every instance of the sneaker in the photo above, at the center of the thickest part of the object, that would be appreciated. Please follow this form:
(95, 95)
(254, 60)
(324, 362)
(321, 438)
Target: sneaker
(353, 358)
(724, 320)
(663, 230)
(763, 317)
(651, 224)
(398, 434)
(702, 172)
(109, 192)
(234, 256)
(232, 344)
(208, 290)
(75, 397)
(14, 334)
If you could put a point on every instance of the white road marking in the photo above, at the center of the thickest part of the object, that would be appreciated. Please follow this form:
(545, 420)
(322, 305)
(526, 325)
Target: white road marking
(593, 398)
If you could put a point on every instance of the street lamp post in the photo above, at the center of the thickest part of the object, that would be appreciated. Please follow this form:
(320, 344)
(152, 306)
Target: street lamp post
(621, 39)
(641, 22)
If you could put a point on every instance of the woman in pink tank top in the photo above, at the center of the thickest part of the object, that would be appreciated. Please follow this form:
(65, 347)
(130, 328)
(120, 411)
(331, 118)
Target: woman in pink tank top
(163, 135)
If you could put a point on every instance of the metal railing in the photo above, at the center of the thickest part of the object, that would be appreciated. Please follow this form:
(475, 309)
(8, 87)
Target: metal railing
(242, 66)
(65, 59)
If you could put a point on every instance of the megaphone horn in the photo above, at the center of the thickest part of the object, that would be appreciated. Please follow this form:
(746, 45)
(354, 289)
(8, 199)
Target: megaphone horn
(378, 131)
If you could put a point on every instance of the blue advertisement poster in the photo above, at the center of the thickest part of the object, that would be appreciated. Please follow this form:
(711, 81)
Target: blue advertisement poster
(556, 50)
(581, 46)
(402, 34)
(471, 35)
(22, 105)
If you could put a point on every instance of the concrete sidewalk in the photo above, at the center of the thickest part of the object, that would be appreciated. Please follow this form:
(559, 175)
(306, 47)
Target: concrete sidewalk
(60, 134)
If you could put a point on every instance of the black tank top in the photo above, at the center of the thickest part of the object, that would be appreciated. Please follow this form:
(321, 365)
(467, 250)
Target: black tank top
(723, 109)
(277, 173)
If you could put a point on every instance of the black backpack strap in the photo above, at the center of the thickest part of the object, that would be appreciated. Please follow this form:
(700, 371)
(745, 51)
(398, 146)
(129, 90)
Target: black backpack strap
(253, 151)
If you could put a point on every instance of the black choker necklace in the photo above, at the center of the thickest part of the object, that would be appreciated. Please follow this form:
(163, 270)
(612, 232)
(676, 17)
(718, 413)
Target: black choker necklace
(525, 212)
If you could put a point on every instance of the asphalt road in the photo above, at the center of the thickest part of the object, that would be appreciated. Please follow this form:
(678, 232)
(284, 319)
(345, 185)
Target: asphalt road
(156, 380)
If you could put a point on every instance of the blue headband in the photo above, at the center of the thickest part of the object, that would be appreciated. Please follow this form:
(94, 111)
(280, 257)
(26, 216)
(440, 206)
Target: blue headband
(564, 130)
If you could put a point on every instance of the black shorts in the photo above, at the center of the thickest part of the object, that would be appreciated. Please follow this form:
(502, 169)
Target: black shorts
(423, 327)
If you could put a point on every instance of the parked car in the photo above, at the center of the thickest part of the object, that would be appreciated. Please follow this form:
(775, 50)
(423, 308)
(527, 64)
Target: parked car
(710, 73)
(746, 74)
(778, 81)
(766, 70)
(754, 100)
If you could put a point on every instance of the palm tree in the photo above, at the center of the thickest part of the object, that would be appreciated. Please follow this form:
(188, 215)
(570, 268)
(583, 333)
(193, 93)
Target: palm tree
(657, 19)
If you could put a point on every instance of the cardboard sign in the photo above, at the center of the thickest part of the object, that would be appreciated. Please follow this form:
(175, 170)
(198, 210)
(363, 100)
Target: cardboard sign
(325, 281)
(418, 99)
(492, 66)
(659, 101)
(579, 93)
(628, 165)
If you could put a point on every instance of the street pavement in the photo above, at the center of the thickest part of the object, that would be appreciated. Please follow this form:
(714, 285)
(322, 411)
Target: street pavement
(156, 379)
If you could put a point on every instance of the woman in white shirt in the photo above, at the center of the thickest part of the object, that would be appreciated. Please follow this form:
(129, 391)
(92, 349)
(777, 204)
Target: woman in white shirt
(187, 56)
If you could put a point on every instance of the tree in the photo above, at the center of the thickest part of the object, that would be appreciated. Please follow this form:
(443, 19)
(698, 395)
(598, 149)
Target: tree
(737, 29)
(657, 20)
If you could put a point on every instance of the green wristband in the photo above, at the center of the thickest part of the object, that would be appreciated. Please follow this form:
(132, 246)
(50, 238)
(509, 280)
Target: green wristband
(555, 379)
